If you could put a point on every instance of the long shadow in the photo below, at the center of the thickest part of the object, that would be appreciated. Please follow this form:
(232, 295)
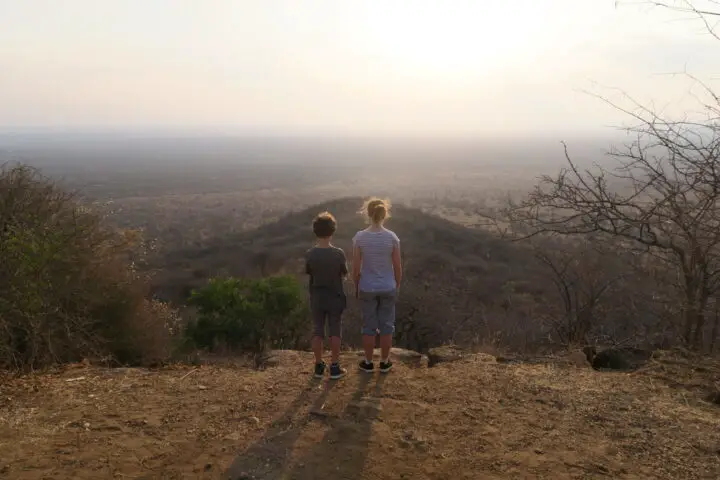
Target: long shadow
(343, 451)
(269, 455)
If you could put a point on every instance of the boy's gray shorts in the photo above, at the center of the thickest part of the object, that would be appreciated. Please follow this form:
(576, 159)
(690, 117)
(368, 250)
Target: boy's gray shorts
(378, 312)
(327, 307)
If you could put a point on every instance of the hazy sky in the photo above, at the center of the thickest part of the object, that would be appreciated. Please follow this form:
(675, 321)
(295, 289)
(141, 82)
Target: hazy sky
(445, 67)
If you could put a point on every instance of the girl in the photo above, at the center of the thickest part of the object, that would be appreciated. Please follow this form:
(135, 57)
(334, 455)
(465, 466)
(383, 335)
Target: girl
(377, 271)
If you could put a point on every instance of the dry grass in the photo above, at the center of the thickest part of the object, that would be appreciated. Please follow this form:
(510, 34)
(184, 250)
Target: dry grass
(472, 419)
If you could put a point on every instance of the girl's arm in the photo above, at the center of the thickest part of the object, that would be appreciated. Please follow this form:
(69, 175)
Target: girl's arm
(397, 265)
(356, 265)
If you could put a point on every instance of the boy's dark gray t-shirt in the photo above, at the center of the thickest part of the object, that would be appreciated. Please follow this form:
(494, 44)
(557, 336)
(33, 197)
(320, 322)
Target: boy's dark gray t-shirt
(326, 267)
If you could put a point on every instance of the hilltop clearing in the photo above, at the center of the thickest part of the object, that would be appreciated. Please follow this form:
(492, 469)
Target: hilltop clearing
(474, 418)
(452, 272)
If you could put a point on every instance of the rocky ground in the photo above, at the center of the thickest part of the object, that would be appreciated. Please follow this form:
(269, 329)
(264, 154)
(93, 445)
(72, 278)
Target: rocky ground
(470, 418)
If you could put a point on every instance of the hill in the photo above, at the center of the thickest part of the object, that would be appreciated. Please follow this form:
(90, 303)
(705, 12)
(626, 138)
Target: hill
(475, 418)
(453, 273)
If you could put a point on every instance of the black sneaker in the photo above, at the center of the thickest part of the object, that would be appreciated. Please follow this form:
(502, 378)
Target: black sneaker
(385, 367)
(367, 367)
(320, 370)
(336, 371)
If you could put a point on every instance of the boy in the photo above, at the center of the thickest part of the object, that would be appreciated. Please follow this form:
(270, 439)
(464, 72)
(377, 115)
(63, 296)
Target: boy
(327, 266)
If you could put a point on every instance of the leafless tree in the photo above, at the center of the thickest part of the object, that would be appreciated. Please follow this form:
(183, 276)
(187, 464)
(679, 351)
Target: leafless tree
(661, 195)
(584, 276)
(706, 11)
(716, 326)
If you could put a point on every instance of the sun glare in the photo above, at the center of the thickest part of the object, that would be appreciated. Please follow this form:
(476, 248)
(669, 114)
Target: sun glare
(433, 38)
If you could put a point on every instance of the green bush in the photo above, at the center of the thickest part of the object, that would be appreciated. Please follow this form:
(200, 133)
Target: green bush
(249, 315)
(68, 289)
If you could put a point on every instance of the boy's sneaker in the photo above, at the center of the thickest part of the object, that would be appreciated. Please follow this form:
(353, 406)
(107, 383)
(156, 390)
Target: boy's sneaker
(367, 367)
(336, 371)
(320, 370)
(385, 367)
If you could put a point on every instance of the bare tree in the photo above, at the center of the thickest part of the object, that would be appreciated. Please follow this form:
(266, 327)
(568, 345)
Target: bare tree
(584, 276)
(716, 326)
(662, 196)
(706, 11)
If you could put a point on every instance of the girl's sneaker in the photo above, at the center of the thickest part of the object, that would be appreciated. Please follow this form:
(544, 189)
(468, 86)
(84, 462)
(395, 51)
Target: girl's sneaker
(367, 367)
(336, 371)
(385, 367)
(320, 370)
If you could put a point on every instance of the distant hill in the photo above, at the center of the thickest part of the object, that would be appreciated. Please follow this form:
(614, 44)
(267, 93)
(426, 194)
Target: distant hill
(454, 275)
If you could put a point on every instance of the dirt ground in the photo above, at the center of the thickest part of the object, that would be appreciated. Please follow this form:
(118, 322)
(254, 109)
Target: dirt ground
(470, 419)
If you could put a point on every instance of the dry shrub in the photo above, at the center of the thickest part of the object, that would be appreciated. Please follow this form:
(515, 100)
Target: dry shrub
(68, 286)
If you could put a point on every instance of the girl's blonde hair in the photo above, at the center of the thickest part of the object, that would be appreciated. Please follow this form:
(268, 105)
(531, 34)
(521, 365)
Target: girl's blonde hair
(376, 210)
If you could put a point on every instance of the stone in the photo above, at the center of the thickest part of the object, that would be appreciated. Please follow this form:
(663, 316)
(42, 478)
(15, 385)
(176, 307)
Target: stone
(621, 359)
(444, 354)
(577, 358)
(714, 396)
(402, 355)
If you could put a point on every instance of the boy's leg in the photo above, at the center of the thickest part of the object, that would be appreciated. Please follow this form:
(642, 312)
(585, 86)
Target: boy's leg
(318, 316)
(335, 334)
(369, 306)
(386, 323)
(317, 346)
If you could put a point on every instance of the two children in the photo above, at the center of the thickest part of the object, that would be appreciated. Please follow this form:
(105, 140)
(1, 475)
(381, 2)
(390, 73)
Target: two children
(377, 273)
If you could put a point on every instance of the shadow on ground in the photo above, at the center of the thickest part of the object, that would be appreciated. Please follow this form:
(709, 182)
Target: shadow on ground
(267, 457)
(341, 453)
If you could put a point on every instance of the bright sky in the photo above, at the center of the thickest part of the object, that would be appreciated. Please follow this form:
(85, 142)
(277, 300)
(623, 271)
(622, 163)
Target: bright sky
(444, 67)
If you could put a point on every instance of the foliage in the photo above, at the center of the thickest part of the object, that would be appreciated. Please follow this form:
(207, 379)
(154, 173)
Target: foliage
(249, 315)
(67, 286)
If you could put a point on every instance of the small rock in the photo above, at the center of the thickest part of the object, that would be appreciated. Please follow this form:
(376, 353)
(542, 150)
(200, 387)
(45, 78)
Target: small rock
(444, 354)
(620, 359)
(602, 468)
(319, 413)
(86, 426)
(208, 467)
(243, 476)
(202, 387)
(577, 358)
(539, 451)
(255, 420)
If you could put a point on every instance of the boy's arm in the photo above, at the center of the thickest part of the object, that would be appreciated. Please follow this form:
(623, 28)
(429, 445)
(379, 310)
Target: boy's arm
(344, 266)
(307, 265)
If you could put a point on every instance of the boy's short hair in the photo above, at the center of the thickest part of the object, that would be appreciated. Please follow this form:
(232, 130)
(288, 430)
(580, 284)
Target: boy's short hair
(324, 225)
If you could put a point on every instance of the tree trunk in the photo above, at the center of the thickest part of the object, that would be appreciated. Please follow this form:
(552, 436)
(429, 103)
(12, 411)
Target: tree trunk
(715, 328)
(698, 337)
(689, 317)
(699, 327)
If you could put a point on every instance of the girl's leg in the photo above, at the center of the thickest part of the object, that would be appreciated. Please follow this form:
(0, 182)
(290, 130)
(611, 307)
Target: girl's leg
(369, 347)
(386, 322)
(385, 346)
(369, 305)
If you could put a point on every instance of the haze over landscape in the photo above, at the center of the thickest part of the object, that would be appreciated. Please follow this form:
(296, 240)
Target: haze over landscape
(430, 68)
(552, 168)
